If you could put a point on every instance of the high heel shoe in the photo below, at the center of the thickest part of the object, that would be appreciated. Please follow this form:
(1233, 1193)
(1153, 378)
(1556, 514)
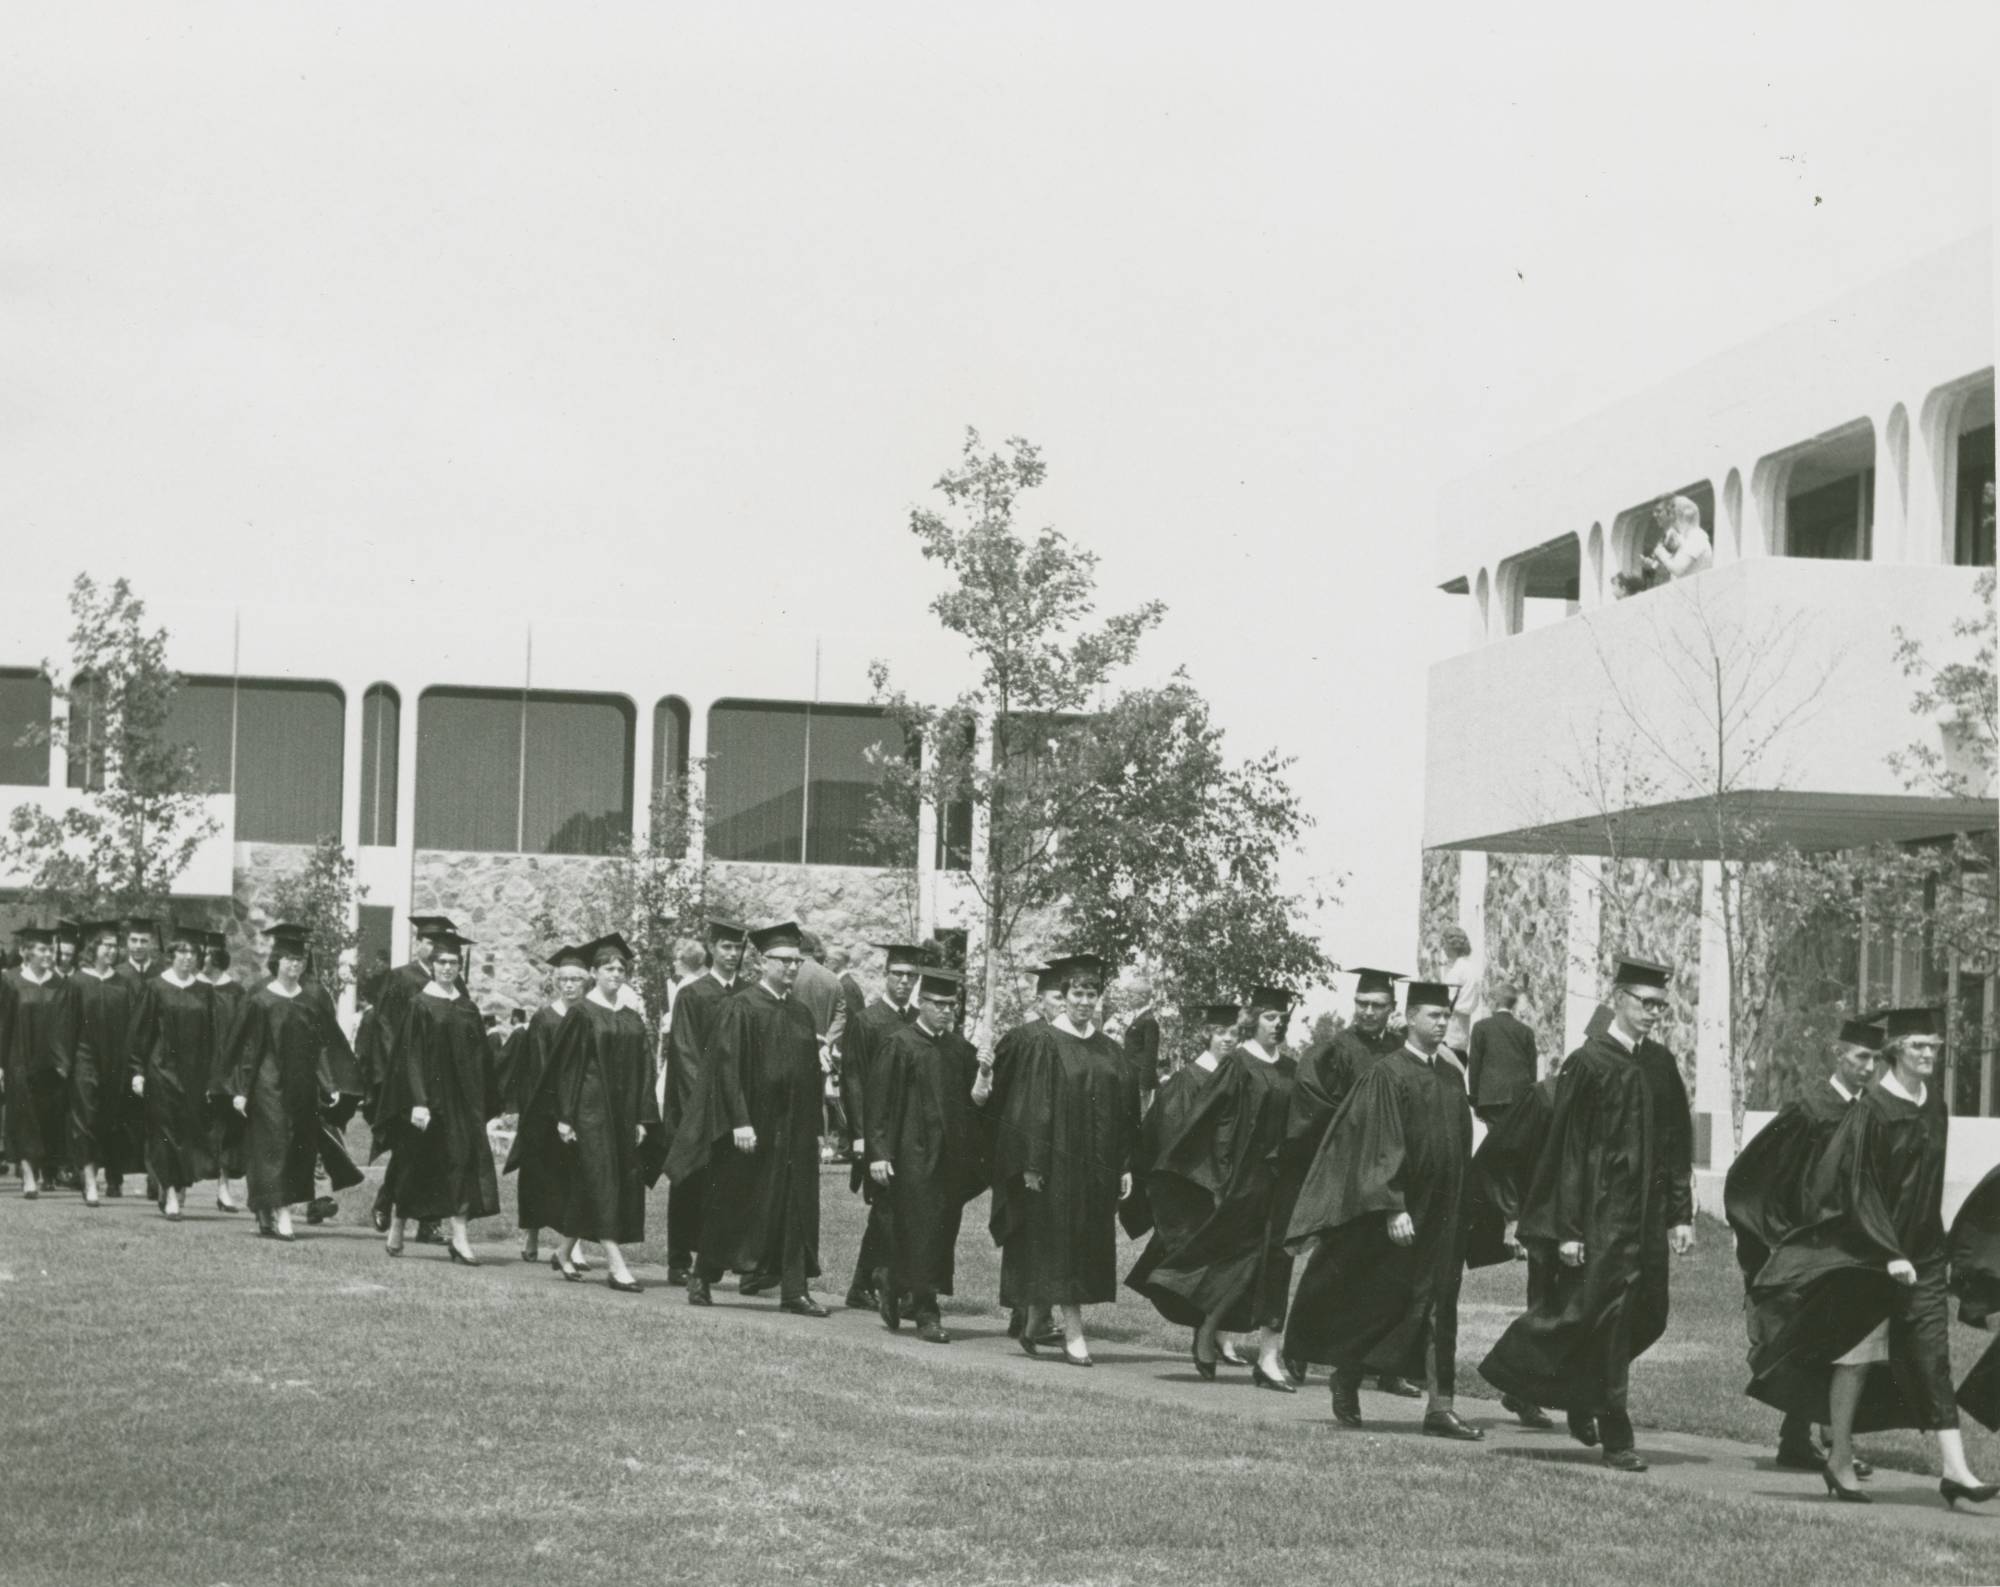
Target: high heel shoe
(1855, 1495)
(462, 1258)
(630, 1287)
(393, 1250)
(1976, 1493)
(569, 1274)
(1205, 1368)
(1264, 1380)
(1078, 1361)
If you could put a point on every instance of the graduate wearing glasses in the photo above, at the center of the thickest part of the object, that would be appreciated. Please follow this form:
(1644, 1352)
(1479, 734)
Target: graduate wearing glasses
(1612, 1195)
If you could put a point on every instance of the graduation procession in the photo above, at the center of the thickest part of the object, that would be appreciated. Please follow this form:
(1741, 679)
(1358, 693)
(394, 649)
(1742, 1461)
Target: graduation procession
(1302, 1211)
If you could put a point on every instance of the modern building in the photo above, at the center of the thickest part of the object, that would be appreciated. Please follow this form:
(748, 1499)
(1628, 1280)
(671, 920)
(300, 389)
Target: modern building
(484, 766)
(1577, 755)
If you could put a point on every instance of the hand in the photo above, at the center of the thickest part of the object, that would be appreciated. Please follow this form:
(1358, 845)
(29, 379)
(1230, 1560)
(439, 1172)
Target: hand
(1680, 1239)
(881, 1173)
(1513, 1239)
(1124, 1187)
(1032, 1181)
(1571, 1253)
(639, 1136)
(745, 1139)
(1902, 1272)
(566, 1134)
(241, 1104)
(860, 1146)
(1402, 1228)
(138, 1085)
(421, 1117)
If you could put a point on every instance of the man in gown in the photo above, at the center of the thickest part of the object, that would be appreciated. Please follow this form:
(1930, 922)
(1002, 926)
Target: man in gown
(1385, 1201)
(753, 1126)
(695, 1009)
(1763, 1193)
(880, 1018)
(926, 1149)
(1612, 1195)
(380, 1062)
(142, 961)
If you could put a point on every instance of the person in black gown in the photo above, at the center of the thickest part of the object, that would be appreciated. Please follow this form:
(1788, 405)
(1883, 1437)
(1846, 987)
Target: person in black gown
(753, 1127)
(226, 1130)
(1502, 1169)
(695, 1008)
(29, 1071)
(591, 1119)
(178, 1041)
(1612, 1196)
(95, 1017)
(1047, 1005)
(277, 1076)
(926, 1150)
(880, 1016)
(1850, 1320)
(536, 1188)
(1063, 1147)
(378, 1061)
(1975, 1281)
(1383, 1206)
(437, 1099)
(1764, 1188)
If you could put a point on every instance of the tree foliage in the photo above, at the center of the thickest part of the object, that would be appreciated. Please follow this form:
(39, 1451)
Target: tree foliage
(323, 896)
(141, 815)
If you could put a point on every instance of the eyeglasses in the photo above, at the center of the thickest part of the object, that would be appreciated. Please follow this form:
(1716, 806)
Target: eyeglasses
(1653, 1005)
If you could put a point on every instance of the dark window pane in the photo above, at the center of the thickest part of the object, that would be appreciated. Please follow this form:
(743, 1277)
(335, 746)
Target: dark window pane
(24, 714)
(578, 791)
(288, 750)
(954, 828)
(201, 716)
(468, 769)
(670, 742)
(381, 728)
(1973, 540)
(756, 781)
(1829, 523)
(842, 787)
(374, 950)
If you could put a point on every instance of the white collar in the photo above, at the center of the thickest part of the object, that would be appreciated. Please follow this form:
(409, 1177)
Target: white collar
(437, 990)
(765, 987)
(1891, 1084)
(1845, 1094)
(1427, 1059)
(558, 1006)
(1255, 1049)
(215, 980)
(1206, 1062)
(1618, 1035)
(273, 987)
(43, 979)
(597, 997)
(1063, 1024)
(177, 984)
(715, 975)
(137, 968)
(627, 998)
(95, 974)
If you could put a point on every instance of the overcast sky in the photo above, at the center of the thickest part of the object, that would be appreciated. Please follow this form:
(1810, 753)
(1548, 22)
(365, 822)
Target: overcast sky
(292, 294)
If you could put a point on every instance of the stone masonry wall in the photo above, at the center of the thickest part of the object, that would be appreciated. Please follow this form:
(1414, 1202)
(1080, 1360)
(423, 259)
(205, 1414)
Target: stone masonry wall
(1652, 910)
(1437, 907)
(1527, 940)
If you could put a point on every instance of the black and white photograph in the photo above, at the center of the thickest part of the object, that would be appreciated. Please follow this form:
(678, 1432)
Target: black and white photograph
(895, 795)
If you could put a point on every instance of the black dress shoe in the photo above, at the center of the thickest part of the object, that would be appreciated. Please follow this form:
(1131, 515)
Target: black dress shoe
(1295, 1367)
(698, 1291)
(428, 1233)
(1346, 1402)
(569, 1274)
(1264, 1380)
(755, 1284)
(379, 1217)
(932, 1332)
(1583, 1429)
(321, 1209)
(1052, 1339)
(802, 1306)
(1801, 1457)
(1625, 1460)
(632, 1288)
(890, 1308)
(859, 1298)
(1402, 1388)
(1862, 1469)
(1205, 1368)
(1449, 1424)
(678, 1275)
(1526, 1412)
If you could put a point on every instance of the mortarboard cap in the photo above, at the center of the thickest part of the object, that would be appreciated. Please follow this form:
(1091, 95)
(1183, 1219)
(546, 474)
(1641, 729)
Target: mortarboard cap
(34, 934)
(1048, 979)
(142, 923)
(431, 926)
(612, 942)
(91, 930)
(904, 955)
(1863, 1031)
(1925, 1021)
(566, 954)
(1371, 981)
(1087, 964)
(1429, 994)
(937, 982)
(1221, 1013)
(288, 937)
(1276, 997)
(783, 934)
(1641, 972)
(68, 930)
(720, 930)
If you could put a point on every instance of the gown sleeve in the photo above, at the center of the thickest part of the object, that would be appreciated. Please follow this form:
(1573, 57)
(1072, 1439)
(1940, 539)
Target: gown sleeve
(1358, 1170)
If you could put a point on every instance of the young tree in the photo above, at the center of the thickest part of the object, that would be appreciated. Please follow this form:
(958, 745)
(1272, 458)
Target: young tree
(1025, 605)
(142, 814)
(323, 896)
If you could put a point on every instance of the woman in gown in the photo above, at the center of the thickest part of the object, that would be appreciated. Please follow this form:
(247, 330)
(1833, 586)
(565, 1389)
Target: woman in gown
(32, 1080)
(438, 1097)
(533, 1190)
(1850, 1315)
(180, 1042)
(226, 1138)
(276, 1076)
(1064, 1142)
(95, 1017)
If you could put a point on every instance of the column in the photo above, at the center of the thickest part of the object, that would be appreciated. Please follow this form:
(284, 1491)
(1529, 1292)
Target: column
(59, 718)
(351, 738)
(1583, 979)
(1712, 1028)
(409, 707)
(1480, 628)
(927, 837)
(1891, 531)
(697, 778)
(1933, 450)
(646, 708)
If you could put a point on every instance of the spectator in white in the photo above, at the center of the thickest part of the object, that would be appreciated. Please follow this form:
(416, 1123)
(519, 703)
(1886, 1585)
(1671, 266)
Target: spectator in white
(1684, 545)
(690, 964)
(1463, 971)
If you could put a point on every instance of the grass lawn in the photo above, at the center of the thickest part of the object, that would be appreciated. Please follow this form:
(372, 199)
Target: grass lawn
(192, 1405)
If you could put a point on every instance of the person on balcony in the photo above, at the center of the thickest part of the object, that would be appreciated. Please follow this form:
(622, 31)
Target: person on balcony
(1684, 545)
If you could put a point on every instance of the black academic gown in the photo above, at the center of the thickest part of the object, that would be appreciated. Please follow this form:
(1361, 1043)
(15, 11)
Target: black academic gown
(1401, 1143)
(277, 1057)
(93, 1033)
(539, 1190)
(36, 1104)
(225, 1139)
(180, 1063)
(444, 1170)
(377, 1056)
(1327, 1072)
(760, 1209)
(1616, 1173)
(1975, 1280)
(1502, 1170)
(1874, 1195)
(696, 1007)
(1070, 1114)
(1211, 1146)
(1765, 1186)
(927, 1128)
(599, 1082)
